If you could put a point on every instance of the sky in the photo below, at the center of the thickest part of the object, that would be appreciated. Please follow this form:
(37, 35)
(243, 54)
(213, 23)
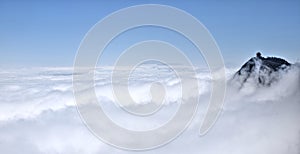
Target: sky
(48, 33)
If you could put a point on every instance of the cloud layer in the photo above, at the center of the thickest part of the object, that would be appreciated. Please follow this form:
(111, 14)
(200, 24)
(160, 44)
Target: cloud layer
(38, 113)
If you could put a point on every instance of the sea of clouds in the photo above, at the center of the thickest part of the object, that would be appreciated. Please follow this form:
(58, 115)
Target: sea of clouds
(38, 113)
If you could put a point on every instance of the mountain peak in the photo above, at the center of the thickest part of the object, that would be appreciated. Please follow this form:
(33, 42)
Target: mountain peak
(263, 71)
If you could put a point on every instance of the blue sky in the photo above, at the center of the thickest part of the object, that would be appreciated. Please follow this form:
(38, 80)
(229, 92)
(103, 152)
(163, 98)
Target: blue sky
(48, 33)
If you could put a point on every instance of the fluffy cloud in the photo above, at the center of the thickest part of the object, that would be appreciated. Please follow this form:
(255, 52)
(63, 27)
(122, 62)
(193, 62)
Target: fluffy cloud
(38, 113)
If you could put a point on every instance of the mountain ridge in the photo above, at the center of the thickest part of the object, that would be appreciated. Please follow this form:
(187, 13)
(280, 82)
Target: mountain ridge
(262, 71)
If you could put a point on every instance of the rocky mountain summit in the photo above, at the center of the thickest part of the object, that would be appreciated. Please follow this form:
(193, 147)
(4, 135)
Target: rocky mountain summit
(260, 70)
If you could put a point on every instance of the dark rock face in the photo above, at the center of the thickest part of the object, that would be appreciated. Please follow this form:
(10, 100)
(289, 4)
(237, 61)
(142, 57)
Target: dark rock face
(263, 71)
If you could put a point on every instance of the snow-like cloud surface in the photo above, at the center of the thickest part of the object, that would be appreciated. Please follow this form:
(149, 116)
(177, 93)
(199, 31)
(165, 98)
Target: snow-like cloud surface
(38, 113)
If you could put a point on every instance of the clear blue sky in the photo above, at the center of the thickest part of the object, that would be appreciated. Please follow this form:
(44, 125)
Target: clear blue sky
(48, 33)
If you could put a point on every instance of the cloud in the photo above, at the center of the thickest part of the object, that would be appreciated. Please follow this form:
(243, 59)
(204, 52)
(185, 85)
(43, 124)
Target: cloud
(38, 113)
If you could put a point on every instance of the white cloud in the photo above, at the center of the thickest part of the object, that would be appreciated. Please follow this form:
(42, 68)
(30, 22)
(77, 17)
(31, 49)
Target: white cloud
(38, 114)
